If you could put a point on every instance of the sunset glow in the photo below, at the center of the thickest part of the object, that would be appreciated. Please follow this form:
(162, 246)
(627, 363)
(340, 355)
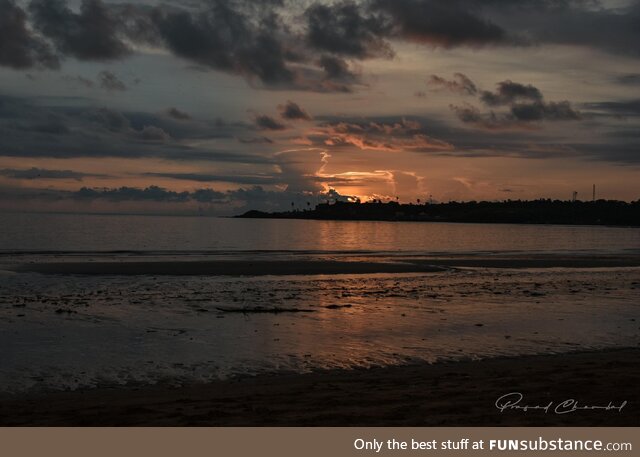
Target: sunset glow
(410, 99)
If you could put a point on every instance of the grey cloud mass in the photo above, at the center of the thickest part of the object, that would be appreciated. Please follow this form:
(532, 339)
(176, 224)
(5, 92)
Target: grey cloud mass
(90, 34)
(110, 82)
(539, 110)
(437, 23)
(207, 177)
(41, 173)
(525, 102)
(19, 47)
(509, 92)
(630, 79)
(28, 129)
(461, 84)
(616, 108)
(302, 47)
(175, 113)
(242, 199)
(264, 122)
(366, 122)
(293, 111)
(347, 28)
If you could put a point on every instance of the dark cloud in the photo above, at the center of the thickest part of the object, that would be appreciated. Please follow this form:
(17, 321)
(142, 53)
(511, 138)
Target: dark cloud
(256, 40)
(617, 108)
(362, 30)
(153, 133)
(336, 69)
(399, 135)
(229, 202)
(500, 135)
(622, 152)
(152, 193)
(111, 120)
(109, 81)
(40, 173)
(509, 92)
(539, 110)
(266, 43)
(469, 114)
(526, 105)
(347, 28)
(20, 119)
(80, 80)
(520, 116)
(91, 34)
(440, 23)
(264, 122)
(256, 140)
(337, 75)
(630, 79)
(293, 111)
(460, 84)
(52, 125)
(206, 177)
(225, 38)
(32, 130)
(586, 23)
(19, 48)
(177, 114)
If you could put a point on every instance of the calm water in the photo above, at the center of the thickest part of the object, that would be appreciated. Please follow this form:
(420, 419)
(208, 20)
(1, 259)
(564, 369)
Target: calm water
(66, 331)
(49, 232)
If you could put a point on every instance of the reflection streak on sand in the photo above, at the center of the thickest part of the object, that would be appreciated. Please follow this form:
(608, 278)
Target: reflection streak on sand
(68, 331)
(292, 263)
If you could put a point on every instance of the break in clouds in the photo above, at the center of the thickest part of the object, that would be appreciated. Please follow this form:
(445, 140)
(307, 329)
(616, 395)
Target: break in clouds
(324, 100)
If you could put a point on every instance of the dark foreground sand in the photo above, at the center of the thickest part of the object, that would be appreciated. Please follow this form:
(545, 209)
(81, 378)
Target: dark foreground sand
(445, 394)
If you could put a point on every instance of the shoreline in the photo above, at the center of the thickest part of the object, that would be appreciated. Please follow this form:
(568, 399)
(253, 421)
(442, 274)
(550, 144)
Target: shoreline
(548, 212)
(414, 221)
(460, 393)
(354, 264)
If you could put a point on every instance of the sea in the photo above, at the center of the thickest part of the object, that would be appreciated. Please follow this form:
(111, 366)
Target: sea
(64, 332)
(104, 233)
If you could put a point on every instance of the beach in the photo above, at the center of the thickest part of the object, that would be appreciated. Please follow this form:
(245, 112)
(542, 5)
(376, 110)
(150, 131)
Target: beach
(320, 213)
(462, 393)
(319, 336)
(263, 264)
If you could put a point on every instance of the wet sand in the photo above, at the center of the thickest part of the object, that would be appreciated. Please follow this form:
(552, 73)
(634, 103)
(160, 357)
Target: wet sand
(224, 268)
(351, 265)
(444, 394)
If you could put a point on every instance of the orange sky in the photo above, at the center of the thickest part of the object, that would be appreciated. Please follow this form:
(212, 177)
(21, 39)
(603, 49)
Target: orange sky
(360, 97)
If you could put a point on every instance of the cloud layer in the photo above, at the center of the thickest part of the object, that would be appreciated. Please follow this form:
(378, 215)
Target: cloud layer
(279, 44)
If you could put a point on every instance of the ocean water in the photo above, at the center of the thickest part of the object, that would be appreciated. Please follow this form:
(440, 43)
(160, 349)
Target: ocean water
(95, 233)
(75, 331)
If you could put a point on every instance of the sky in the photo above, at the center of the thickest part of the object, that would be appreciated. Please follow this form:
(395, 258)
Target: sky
(217, 107)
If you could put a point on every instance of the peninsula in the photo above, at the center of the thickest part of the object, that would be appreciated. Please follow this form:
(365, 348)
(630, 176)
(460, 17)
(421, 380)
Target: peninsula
(543, 211)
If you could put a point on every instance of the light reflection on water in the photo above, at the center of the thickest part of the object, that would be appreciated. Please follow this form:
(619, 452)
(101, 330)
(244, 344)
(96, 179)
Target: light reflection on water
(70, 331)
(56, 232)
(144, 329)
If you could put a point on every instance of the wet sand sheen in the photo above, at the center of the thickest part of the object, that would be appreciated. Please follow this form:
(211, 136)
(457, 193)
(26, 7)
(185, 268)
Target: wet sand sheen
(297, 266)
(224, 268)
(201, 328)
(444, 394)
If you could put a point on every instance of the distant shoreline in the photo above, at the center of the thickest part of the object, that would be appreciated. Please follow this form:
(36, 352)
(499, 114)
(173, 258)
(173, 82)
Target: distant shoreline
(537, 212)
